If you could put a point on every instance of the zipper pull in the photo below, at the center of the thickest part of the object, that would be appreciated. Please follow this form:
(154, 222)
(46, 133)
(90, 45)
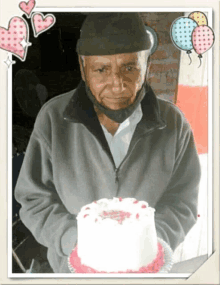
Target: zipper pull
(116, 175)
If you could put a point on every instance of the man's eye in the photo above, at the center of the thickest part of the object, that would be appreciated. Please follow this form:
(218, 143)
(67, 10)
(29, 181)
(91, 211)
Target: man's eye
(100, 70)
(129, 68)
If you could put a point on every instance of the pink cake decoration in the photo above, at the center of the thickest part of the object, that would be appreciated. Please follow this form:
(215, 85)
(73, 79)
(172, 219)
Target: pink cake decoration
(119, 216)
(153, 267)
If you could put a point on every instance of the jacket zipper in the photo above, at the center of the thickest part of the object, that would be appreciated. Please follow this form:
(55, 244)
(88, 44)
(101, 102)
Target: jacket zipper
(128, 154)
(116, 175)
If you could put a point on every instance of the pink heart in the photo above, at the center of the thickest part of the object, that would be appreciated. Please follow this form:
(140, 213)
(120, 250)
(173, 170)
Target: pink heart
(27, 7)
(42, 23)
(10, 41)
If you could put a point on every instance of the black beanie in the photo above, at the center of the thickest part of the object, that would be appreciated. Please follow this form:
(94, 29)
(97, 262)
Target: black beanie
(112, 33)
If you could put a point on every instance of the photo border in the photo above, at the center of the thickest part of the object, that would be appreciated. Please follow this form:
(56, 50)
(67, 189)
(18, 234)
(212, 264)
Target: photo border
(210, 149)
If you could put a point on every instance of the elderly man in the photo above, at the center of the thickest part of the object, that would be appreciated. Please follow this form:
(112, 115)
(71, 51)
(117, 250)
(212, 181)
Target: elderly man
(110, 137)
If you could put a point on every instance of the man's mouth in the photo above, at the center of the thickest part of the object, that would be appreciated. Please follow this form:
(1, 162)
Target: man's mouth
(116, 99)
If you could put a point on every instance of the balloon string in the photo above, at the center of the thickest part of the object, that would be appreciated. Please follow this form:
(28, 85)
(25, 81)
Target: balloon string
(190, 59)
(200, 61)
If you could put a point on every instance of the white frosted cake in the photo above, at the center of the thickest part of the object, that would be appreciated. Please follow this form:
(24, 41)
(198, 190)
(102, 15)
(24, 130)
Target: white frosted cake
(116, 235)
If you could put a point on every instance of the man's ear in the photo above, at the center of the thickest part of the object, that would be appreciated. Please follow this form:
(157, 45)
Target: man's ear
(81, 68)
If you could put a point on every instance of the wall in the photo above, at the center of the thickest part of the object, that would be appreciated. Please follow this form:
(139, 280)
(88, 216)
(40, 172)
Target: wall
(165, 61)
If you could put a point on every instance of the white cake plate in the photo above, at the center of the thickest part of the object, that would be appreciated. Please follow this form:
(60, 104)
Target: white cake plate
(168, 258)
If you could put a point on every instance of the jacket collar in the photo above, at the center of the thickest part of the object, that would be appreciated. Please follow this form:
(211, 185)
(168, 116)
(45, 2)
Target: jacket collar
(80, 110)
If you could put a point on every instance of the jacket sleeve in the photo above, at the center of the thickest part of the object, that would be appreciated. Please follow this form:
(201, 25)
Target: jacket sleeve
(42, 211)
(176, 211)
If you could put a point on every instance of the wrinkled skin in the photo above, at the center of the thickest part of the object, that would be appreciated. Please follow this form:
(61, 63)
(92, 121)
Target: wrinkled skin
(114, 80)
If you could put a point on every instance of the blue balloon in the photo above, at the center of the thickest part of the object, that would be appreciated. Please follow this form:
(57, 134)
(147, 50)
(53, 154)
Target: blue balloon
(181, 33)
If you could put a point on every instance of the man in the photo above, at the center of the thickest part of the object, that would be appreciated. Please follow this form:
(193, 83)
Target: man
(111, 137)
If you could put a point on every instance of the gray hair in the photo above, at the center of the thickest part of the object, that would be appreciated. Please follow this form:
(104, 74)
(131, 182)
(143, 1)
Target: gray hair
(82, 57)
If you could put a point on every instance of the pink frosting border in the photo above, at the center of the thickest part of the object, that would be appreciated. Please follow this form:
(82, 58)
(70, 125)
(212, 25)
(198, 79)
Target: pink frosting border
(153, 267)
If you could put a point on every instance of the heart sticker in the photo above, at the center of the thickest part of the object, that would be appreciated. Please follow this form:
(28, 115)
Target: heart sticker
(27, 7)
(41, 23)
(15, 39)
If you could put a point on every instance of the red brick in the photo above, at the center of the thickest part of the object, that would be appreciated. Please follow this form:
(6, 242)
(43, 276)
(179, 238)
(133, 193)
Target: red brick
(164, 38)
(170, 81)
(176, 54)
(159, 54)
(163, 67)
(154, 79)
(171, 77)
(166, 90)
(163, 26)
(173, 16)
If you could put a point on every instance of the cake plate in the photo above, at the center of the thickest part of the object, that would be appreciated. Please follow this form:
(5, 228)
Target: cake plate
(168, 259)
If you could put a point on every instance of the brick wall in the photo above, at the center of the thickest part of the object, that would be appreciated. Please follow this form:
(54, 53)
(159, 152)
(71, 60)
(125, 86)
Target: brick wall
(163, 72)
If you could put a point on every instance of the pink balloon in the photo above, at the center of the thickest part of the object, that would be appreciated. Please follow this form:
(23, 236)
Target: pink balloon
(202, 39)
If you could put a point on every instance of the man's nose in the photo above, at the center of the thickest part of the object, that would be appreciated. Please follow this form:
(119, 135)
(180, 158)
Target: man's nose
(117, 82)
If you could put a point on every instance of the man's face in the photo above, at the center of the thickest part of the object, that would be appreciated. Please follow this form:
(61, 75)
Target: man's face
(114, 80)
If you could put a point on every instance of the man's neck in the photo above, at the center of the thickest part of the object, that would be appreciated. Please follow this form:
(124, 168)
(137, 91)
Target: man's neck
(108, 123)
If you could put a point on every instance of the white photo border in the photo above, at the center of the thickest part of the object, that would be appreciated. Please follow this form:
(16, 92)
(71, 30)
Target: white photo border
(210, 153)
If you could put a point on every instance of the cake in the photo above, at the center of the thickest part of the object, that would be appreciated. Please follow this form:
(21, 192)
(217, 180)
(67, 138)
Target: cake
(116, 235)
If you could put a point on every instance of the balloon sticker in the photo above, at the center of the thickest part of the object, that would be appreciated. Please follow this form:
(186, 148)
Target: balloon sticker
(192, 32)
(199, 17)
(203, 39)
(181, 34)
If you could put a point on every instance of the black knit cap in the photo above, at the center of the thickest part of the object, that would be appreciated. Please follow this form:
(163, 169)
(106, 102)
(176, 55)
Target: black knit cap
(112, 33)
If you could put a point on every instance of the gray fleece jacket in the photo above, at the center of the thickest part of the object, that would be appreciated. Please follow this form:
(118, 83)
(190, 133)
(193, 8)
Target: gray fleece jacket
(68, 164)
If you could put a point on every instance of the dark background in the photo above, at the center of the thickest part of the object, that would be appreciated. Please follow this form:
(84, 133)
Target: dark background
(53, 59)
